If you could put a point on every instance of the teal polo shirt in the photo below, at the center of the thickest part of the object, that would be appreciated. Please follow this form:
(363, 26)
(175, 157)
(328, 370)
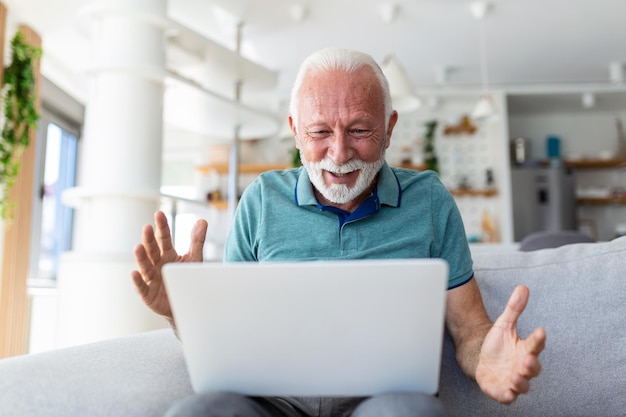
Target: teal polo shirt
(409, 215)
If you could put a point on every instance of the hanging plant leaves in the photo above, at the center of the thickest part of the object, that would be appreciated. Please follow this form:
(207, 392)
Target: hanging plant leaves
(20, 112)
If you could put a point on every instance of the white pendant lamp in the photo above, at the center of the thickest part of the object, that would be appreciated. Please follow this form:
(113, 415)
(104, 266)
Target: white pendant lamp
(486, 109)
(403, 95)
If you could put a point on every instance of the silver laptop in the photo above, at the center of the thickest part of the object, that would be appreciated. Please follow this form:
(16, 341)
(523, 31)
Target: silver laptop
(326, 328)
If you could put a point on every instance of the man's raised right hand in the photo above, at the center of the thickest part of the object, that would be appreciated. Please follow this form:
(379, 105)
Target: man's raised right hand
(154, 251)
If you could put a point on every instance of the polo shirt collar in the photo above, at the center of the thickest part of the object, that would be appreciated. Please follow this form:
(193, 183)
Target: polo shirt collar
(389, 191)
(388, 188)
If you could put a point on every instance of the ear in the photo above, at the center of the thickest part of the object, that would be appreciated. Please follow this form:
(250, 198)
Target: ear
(393, 119)
(294, 131)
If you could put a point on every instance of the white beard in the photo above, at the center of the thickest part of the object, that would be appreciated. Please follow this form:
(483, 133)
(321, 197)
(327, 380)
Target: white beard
(341, 193)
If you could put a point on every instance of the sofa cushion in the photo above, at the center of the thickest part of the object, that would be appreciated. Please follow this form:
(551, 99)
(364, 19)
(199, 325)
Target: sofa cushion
(578, 294)
(139, 375)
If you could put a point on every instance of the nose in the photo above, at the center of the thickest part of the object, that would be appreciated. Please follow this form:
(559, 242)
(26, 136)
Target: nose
(340, 150)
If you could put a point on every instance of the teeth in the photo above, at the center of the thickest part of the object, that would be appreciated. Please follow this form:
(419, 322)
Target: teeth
(340, 174)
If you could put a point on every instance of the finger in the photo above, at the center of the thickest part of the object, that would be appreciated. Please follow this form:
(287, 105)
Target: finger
(521, 384)
(198, 236)
(536, 342)
(151, 247)
(146, 265)
(140, 284)
(507, 397)
(514, 307)
(532, 367)
(163, 236)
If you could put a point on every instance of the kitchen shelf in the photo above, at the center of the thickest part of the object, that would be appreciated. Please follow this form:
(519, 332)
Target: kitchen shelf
(488, 192)
(222, 168)
(219, 204)
(595, 163)
(601, 200)
(420, 167)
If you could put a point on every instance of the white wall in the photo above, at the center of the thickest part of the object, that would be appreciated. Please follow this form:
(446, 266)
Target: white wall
(582, 134)
(464, 155)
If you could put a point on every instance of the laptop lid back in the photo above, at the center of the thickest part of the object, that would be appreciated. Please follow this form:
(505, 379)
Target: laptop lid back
(326, 328)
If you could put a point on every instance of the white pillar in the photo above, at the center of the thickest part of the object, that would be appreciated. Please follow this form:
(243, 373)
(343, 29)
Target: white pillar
(119, 173)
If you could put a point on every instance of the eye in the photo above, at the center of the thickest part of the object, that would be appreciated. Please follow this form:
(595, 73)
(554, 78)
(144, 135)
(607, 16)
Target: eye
(318, 134)
(359, 133)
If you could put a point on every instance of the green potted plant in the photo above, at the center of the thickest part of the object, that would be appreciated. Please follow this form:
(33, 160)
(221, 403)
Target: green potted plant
(430, 155)
(20, 112)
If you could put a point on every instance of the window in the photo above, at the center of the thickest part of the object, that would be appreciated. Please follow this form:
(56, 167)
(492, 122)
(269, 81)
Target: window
(52, 221)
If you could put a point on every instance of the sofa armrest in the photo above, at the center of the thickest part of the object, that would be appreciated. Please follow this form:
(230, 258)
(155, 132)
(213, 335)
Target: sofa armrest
(139, 375)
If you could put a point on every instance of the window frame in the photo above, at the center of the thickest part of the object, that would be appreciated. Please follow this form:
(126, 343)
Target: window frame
(48, 115)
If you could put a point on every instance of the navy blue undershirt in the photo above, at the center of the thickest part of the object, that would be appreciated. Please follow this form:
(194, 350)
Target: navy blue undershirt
(369, 207)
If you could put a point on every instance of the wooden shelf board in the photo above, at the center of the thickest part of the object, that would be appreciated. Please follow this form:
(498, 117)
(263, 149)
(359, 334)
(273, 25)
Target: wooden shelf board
(219, 204)
(414, 167)
(601, 200)
(595, 163)
(222, 168)
(489, 192)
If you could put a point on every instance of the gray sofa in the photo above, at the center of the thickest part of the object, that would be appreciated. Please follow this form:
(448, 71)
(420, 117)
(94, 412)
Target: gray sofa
(578, 293)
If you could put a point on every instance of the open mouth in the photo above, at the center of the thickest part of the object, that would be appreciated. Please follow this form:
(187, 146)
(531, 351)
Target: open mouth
(341, 177)
(341, 174)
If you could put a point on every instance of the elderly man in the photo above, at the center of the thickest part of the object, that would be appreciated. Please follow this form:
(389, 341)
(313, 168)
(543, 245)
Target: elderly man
(347, 203)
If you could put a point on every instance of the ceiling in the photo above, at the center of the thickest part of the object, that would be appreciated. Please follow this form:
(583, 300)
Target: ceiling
(532, 45)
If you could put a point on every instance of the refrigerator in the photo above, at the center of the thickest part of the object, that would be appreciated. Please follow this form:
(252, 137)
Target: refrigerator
(544, 199)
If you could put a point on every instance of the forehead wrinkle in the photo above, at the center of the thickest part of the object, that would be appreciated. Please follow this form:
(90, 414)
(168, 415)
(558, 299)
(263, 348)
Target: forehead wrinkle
(338, 94)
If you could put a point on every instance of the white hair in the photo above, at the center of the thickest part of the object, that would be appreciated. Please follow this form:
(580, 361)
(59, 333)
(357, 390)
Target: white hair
(339, 59)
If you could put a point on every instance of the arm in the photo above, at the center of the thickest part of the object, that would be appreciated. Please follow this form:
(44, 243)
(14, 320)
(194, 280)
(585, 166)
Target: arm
(467, 323)
(492, 353)
(156, 250)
